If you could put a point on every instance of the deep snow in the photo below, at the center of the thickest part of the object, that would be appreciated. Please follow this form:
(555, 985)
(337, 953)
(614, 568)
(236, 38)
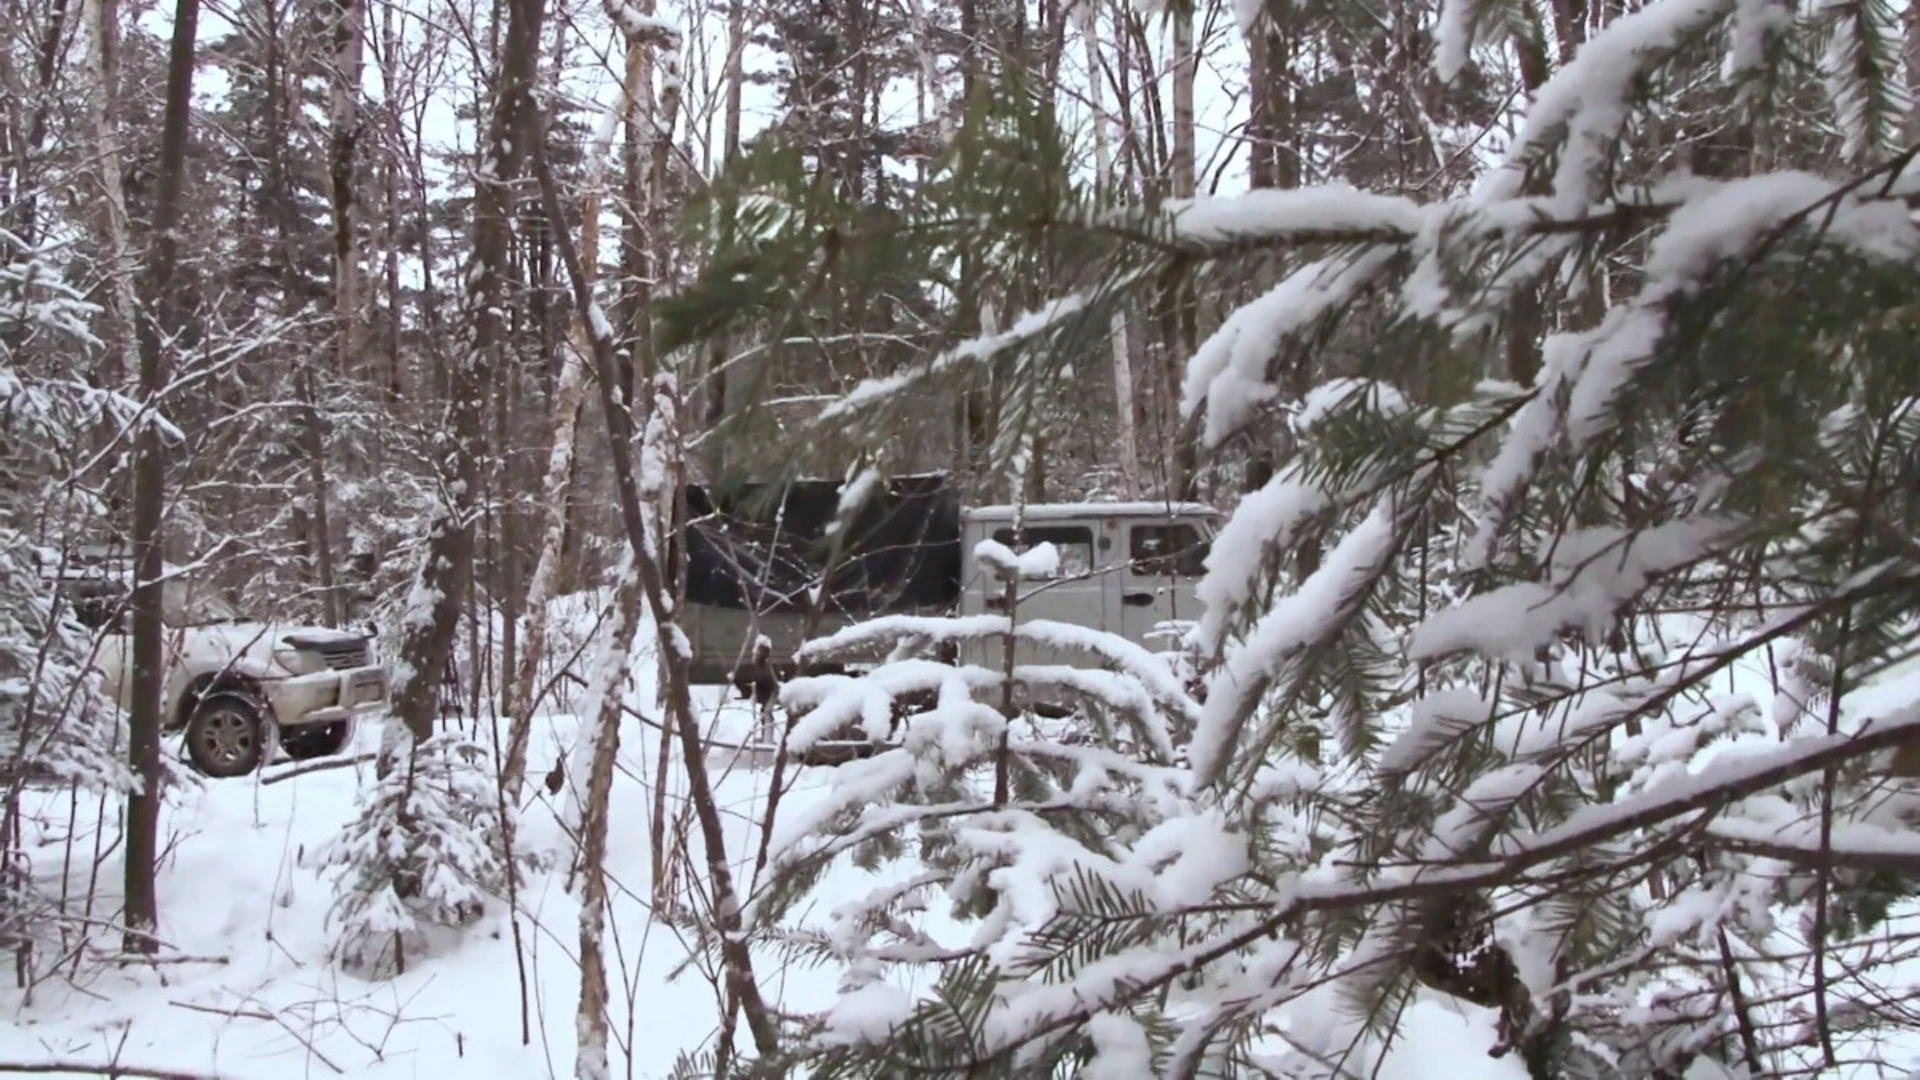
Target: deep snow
(246, 989)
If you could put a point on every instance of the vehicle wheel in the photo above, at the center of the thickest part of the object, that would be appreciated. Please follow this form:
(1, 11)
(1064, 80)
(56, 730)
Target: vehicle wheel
(314, 740)
(226, 735)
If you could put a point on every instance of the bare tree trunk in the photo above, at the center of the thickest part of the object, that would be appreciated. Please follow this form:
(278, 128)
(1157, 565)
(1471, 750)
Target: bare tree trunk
(568, 396)
(342, 156)
(1186, 314)
(677, 698)
(642, 548)
(144, 719)
(342, 159)
(434, 620)
(546, 572)
(591, 1019)
(319, 522)
(650, 124)
(1184, 161)
(121, 309)
(1127, 431)
(390, 194)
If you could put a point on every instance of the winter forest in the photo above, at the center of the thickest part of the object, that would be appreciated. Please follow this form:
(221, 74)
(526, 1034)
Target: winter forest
(1012, 538)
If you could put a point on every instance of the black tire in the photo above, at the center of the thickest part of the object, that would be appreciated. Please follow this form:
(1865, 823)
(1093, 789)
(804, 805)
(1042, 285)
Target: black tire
(227, 735)
(314, 740)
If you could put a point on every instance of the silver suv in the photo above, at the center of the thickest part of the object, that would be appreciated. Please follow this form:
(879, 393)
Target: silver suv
(235, 688)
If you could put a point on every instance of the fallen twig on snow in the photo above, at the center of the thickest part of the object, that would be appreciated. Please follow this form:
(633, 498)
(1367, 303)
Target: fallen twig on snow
(221, 1010)
(47, 1067)
(320, 766)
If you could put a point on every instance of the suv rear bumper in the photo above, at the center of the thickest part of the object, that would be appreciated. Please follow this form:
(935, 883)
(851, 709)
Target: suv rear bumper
(326, 697)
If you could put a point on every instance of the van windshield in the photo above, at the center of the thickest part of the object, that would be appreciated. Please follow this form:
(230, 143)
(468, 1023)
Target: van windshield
(188, 603)
(102, 603)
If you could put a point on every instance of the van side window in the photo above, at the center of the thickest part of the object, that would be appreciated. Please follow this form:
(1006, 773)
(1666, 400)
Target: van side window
(1073, 542)
(1167, 550)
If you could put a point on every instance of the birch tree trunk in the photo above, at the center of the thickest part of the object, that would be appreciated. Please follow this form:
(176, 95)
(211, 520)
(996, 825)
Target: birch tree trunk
(638, 493)
(390, 198)
(343, 114)
(1186, 308)
(568, 396)
(590, 1063)
(1127, 432)
(669, 640)
(650, 124)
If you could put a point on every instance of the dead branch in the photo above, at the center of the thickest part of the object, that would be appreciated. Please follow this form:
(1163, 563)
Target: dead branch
(320, 766)
(64, 1067)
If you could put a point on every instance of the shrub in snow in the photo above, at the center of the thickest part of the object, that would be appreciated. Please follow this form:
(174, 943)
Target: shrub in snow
(56, 730)
(422, 854)
(56, 724)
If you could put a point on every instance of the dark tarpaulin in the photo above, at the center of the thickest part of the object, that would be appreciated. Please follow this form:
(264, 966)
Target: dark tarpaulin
(762, 547)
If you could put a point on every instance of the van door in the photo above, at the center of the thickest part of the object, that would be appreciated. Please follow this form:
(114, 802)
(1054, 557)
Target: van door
(1164, 563)
(1075, 593)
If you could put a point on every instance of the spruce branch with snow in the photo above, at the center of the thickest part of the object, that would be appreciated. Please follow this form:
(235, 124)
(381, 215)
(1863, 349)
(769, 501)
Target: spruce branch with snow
(1579, 457)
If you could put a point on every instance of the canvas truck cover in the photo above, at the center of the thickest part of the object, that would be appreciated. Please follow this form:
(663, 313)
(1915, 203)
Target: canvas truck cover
(763, 547)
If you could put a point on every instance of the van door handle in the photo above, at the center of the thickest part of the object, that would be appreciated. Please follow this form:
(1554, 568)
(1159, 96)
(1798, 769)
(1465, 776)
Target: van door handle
(1137, 599)
(996, 603)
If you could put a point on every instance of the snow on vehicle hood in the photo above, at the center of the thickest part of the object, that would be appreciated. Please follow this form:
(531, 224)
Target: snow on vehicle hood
(248, 644)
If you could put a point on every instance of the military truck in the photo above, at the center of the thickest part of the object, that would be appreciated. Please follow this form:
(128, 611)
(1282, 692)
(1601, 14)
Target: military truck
(767, 565)
(233, 688)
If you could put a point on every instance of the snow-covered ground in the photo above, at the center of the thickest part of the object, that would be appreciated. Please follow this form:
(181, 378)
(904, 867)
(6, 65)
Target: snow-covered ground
(246, 987)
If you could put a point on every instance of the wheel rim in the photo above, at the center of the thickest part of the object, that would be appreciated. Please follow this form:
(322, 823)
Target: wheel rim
(227, 737)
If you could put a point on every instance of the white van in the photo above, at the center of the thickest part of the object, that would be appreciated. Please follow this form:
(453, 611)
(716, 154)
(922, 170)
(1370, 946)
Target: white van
(767, 564)
(1126, 568)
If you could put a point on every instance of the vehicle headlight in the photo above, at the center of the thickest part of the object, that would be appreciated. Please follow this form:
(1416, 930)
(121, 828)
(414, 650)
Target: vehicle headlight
(298, 661)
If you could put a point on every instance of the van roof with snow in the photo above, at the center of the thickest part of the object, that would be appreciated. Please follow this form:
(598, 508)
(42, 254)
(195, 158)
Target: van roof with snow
(1063, 511)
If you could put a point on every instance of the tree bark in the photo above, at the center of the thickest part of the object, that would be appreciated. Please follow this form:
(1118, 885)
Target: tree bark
(669, 643)
(1185, 162)
(1186, 304)
(342, 160)
(22, 203)
(121, 308)
(590, 1063)
(1127, 432)
(434, 617)
(145, 718)
(390, 197)
(569, 393)
(320, 521)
